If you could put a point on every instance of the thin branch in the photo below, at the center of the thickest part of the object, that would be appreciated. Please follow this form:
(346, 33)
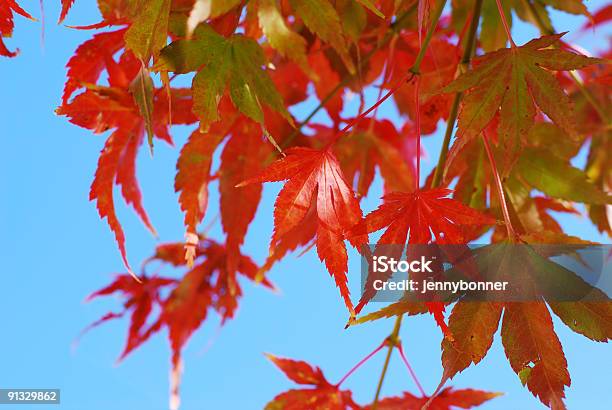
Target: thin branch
(405, 78)
(450, 125)
(412, 71)
(468, 51)
(410, 370)
(430, 32)
(392, 340)
(387, 73)
(361, 362)
(393, 29)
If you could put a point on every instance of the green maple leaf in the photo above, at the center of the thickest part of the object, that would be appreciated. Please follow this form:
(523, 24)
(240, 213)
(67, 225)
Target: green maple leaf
(236, 64)
(512, 81)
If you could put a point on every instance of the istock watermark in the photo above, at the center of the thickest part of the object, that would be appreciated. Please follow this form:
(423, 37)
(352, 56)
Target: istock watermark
(498, 272)
(386, 264)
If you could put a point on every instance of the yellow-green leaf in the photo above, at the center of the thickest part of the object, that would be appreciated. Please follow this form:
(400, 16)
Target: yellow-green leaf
(591, 319)
(370, 6)
(569, 6)
(354, 19)
(557, 178)
(288, 43)
(322, 19)
(492, 33)
(142, 91)
(473, 325)
(149, 30)
(394, 309)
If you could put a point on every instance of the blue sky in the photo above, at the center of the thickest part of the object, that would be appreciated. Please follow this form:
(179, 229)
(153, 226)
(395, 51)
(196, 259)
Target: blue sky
(56, 250)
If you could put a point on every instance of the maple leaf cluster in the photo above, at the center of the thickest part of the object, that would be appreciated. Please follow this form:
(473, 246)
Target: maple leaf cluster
(522, 114)
(182, 305)
(318, 393)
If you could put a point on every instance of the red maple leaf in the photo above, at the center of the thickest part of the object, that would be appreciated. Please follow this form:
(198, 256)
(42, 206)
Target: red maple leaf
(447, 399)
(373, 144)
(315, 181)
(66, 5)
(101, 108)
(90, 60)
(244, 155)
(418, 218)
(321, 395)
(185, 303)
(140, 298)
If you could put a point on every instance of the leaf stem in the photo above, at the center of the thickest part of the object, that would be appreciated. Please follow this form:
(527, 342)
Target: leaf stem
(500, 189)
(502, 15)
(410, 370)
(468, 51)
(417, 126)
(432, 28)
(412, 71)
(450, 125)
(361, 362)
(405, 78)
(392, 340)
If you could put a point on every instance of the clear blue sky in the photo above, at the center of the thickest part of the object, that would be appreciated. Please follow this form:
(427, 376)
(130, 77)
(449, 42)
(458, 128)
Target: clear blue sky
(56, 250)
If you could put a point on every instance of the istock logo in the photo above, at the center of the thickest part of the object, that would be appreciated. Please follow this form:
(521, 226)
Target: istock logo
(384, 264)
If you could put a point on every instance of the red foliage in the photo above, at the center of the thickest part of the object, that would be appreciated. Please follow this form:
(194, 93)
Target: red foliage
(252, 62)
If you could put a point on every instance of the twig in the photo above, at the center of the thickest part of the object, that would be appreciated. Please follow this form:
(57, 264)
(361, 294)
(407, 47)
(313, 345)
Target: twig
(407, 77)
(414, 70)
(391, 341)
(361, 362)
(410, 369)
(393, 27)
(470, 45)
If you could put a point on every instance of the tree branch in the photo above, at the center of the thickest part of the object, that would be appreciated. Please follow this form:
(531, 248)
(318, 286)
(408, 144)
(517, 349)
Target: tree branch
(393, 30)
